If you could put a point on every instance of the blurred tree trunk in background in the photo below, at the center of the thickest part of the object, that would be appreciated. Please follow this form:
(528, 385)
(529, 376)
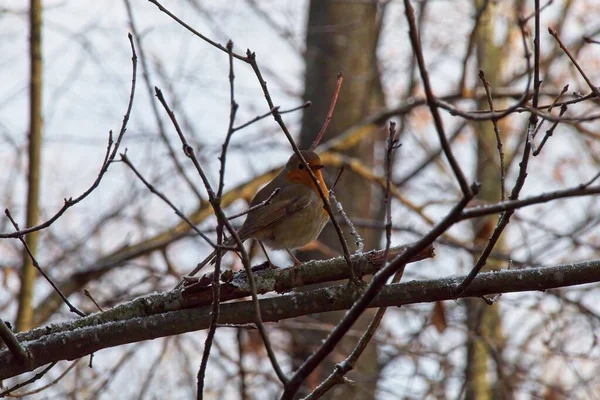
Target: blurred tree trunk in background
(483, 321)
(24, 319)
(342, 37)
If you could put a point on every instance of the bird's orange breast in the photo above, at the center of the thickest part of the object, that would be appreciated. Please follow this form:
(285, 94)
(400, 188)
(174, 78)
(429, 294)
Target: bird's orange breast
(304, 178)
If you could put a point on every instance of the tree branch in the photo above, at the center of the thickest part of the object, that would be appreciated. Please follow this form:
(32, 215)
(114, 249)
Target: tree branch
(86, 335)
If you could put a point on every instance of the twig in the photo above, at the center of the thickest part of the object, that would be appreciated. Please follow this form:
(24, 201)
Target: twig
(431, 101)
(72, 308)
(247, 327)
(549, 132)
(288, 135)
(588, 183)
(46, 386)
(187, 149)
(222, 219)
(392, 144)
(474, 30)
(511, 205)
(233, 107)
(263, 203)
(240, 363)
(342, 368)
(145, 385)
(430, 157)
(8, 337)
(533, 14)
(337, 179)
(486, 85)
(520, 182)
(195, 32)
(594, 89)
(360, 242)
(549, 111)
(36, 377)
(108, 158)
(161, 128)
(374, 287)
(164, 198)
(340, 79)
(337, 376)
(89, 296)
(477, 115)
(216, 284)
(590, 40)
(307, 104)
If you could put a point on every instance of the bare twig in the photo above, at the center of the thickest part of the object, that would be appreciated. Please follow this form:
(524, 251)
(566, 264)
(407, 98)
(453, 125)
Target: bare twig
(108, 158)
(373, 288)
(49, 384)
(430, 157)
(240, 363)
(233, 107)
(470, 44)
(488, 92)
(548, 111)
(533, 14)
(34, 378)
(358, 240)
(340, 79)
(161, 128)
(72, 308)
(326, 204)
(89, 296)
(270, 112)
(153, 368)
(337, 376)
(431, 101)
(195, 32)
(222, 219)
(164, 198)
(263, 203)
(520, 182)
(549, 132)
(8, 337)
(594, 89)
(511, 205)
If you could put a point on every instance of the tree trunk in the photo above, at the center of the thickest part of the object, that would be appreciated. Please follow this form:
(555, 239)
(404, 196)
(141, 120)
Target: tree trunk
(483, 321)
(28, 272)
(342, 37)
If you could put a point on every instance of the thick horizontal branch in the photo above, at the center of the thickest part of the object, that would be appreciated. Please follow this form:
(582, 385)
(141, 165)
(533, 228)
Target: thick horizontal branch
(235, 286)
(115, 327)
(281, 280)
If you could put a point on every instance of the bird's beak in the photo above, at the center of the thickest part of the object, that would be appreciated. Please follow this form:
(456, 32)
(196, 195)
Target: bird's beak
(316, 167)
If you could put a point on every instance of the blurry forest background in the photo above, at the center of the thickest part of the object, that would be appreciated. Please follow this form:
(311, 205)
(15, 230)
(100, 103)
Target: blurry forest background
(122, 242)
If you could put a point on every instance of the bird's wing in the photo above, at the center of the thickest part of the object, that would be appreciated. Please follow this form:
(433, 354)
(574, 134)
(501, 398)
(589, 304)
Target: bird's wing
(282, 206)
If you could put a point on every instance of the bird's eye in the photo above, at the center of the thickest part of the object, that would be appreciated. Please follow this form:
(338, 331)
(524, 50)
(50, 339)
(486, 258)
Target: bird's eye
(300, 166)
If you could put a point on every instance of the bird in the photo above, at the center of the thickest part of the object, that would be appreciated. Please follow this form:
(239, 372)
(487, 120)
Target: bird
(294, 217)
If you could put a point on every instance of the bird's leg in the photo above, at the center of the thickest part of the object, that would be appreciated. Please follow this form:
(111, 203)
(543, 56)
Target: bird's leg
(296, 261)
(262, 246)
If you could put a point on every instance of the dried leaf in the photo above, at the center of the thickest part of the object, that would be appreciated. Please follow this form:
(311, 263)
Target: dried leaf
(438, 316)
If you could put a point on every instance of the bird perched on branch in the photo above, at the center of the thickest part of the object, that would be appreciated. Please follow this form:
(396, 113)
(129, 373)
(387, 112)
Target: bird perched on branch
(294, 217)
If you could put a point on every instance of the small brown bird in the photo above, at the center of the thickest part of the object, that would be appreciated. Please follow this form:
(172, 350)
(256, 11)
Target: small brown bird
(294, 217)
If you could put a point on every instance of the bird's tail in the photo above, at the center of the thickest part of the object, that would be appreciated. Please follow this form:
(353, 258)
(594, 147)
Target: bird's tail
(208, 260)
(211, 259)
